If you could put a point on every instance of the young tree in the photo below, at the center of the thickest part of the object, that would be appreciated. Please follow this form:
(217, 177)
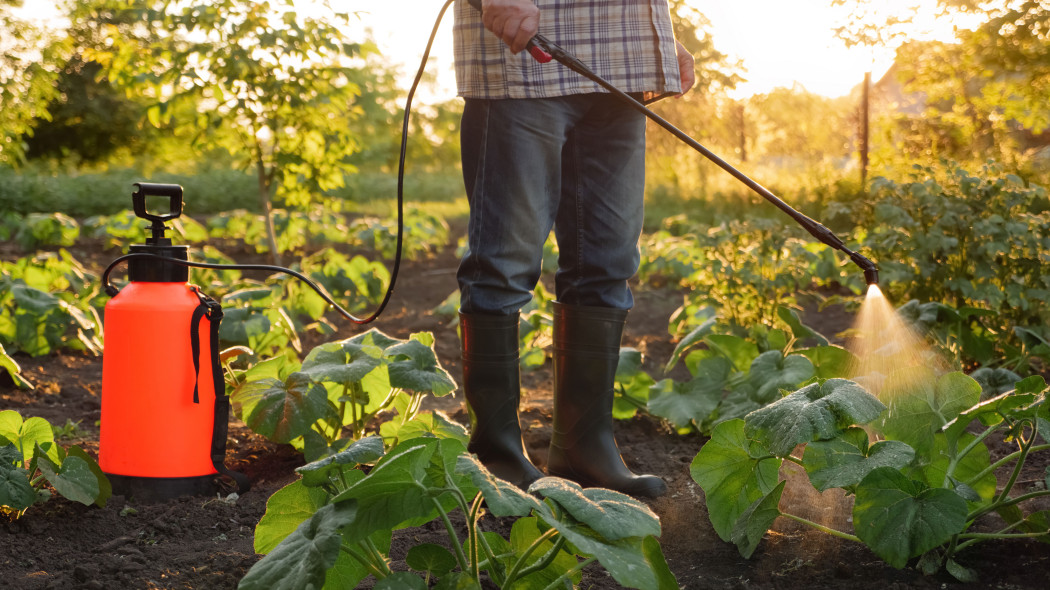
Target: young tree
(271, 84)
(27, 79)
(985, 93)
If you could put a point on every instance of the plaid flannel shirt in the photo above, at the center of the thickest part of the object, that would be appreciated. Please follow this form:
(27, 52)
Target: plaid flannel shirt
(629, 43)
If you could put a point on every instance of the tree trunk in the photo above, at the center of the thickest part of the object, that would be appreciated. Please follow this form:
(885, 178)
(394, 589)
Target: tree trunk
(267, 207)
(742, 136)
(865, 98)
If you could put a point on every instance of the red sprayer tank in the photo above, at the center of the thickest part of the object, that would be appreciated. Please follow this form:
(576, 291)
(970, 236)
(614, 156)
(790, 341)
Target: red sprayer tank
(161, 420)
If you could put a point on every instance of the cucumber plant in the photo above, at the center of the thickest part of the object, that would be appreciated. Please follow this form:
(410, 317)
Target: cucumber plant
(922, 487)
(30, 458)
(333, 527)
(339, 388)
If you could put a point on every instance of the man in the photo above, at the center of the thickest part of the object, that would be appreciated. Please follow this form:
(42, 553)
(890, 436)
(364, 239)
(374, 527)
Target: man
(543, 147)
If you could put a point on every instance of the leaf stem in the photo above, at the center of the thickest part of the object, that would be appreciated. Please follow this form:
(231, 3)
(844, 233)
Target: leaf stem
(464, 565)
(546, 560)
(955, 458)
(472, 536)
(519, 565)
(1025, 448)
(371, 567)
(822, 528)
(1003, 461)
(377, 556)
(568, 575)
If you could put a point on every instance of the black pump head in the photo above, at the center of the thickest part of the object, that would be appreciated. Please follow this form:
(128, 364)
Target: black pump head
(871, 270)
(154, 270)
(138, 201)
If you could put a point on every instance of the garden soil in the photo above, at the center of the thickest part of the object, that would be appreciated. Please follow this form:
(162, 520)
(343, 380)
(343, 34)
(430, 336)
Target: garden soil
(206, 542)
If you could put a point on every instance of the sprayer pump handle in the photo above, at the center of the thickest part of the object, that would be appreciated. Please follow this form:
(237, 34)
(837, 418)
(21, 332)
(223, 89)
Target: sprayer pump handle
(150, 189)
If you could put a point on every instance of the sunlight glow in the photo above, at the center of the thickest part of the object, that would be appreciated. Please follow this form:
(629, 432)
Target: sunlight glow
(784, 43)
(781, 44)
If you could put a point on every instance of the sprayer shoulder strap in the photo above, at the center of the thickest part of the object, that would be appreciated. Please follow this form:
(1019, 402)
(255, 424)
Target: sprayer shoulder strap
(211, 309)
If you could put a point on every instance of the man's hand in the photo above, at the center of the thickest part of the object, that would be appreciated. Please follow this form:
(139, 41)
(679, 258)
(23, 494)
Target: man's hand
(686, 73)
(513, 21)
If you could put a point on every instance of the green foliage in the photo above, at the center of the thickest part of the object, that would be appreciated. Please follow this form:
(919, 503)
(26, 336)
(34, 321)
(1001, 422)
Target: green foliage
(334, 525)
(340, 385)
(975, 241)
(30, 457)
(38, 189)
(46, 305)
(743, 269)
(730, 376)
(42, 229)
(917, 492)
(88, 120)
(13, 370)
(26, 81)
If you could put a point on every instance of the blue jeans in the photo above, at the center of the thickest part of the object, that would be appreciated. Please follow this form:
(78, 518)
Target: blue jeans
(574, 163)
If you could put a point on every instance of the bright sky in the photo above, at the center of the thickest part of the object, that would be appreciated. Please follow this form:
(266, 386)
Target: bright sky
(779, 42)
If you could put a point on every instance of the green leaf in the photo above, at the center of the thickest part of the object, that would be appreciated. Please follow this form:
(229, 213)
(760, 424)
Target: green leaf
(935, 473)
(741, 352)
(756, 520)
(501, 497)
(817, 411)
(341, 362)
(105, 489)
(843, 462)
(374, 337)
(73, 479)
(433, 559)
(415, 368)
(611, 514)
(33, 300)
(691, 339)
(995, 381)
(631, 561)
(29, 434)
(393, 492)
(282, 410)
(963, 574)
(914, 418)
(15, 489)
(523, 533)
(899, 518)
(800, 330)
(736, 404)
(365, 451)
(771, 371)
(629, 364)
(405, 580)
(682, 404)
(9, 453)
(13, 370)
(733, 471)
(286, 509)
(433, 423)
(303, 558)
(831, 362)
(457, 581)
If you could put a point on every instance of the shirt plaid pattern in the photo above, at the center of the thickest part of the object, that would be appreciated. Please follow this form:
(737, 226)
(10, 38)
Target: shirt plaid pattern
(629, 43)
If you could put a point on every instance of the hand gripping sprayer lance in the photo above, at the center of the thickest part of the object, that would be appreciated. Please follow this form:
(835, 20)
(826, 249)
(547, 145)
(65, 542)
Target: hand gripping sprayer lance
(543, 51)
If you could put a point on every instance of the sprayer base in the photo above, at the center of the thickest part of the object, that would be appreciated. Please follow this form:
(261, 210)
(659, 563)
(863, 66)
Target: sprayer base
(161, 489)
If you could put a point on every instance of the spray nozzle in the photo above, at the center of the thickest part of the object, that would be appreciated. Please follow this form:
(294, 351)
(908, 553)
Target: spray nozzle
(138, 201)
